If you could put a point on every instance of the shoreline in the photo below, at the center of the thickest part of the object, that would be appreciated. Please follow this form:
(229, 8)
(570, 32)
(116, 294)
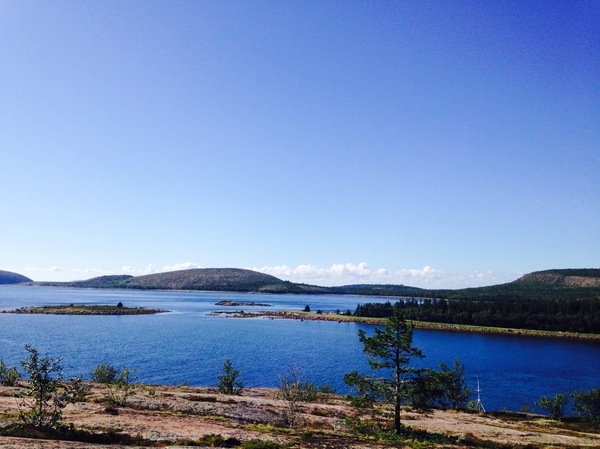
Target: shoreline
(313, 316)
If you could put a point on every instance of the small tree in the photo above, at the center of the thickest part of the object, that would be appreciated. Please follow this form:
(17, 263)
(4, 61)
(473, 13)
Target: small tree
(555, 406)
(8, 375)
(229, 383)
(390, 350)
(426, 388)
(456, 391)
(587, 404)
(49, 396)
(294, 389)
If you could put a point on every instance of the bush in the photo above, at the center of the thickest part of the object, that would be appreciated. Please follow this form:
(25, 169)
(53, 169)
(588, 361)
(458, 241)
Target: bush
(8, 376)
(49, 396)
(104, 373)
(119, 391)
(555, 406)
(77, 390)
(587, 404)
(293, 389)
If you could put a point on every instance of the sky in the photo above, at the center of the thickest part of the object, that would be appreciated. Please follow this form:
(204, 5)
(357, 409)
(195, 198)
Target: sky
(436, 144)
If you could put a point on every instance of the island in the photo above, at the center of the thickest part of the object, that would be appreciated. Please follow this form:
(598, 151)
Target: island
(227, 302)
(73, 309)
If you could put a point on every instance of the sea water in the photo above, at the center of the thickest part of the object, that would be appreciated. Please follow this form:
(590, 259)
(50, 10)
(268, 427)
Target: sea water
(189, 346)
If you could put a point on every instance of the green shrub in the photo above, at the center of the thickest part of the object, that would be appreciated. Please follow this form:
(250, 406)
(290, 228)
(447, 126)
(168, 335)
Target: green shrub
(8, 375)
(104, 373)
(45, 388)
(119, 391)
(77, 389)
(327, 389)
(555, 406)
(229, 382)
(587, 404)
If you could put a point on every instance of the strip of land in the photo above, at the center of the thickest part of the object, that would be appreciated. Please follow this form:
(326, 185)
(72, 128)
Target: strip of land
(85, 310)
(231, 303)
(169, 416)
(315, 316)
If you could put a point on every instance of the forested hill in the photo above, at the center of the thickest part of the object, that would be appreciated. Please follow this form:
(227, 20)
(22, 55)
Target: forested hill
(210, 279)
(550, 284)
(571, 277)
(8, 277)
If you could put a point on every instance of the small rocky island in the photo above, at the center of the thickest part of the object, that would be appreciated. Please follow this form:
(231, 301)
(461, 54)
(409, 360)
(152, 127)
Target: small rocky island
(227, 302)
(80, 309)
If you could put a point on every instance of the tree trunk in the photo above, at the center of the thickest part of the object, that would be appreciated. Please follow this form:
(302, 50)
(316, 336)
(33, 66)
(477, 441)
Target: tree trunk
(397, 426)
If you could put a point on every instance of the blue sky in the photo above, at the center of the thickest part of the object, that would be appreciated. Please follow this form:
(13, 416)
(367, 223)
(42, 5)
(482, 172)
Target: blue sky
(428, 143)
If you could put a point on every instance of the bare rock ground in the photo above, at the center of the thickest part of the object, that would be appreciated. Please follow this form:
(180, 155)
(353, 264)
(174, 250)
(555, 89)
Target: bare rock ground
(167, 415)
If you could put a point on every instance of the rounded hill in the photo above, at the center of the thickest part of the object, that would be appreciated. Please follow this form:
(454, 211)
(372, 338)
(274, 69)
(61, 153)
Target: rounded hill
(205, 279)
(8, 277)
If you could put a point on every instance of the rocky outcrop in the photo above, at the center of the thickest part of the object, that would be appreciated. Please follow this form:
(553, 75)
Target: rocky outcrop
(569, 277)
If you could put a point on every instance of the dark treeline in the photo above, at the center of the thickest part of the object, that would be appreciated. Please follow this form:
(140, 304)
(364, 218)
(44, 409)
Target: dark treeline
(566, 315)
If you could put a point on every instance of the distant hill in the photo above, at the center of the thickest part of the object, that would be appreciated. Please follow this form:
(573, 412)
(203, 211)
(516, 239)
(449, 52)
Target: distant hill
(566, 284)
(588, 277)
(205, 279)
(209, 279)
(8, 277)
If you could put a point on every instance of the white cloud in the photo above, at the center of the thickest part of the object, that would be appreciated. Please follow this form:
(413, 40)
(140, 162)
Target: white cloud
(350, 273)
(52, 269)
(181, 266)
(89, 270)
(138, 272)
(151, 268)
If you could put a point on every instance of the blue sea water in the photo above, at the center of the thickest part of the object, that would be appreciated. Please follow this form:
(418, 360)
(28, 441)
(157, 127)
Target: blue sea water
(187, 345)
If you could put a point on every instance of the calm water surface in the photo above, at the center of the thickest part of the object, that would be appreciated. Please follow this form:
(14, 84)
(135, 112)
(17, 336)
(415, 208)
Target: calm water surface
(189, 346)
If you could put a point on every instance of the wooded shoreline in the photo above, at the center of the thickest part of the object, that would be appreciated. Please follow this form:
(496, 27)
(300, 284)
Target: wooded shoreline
(314, 316)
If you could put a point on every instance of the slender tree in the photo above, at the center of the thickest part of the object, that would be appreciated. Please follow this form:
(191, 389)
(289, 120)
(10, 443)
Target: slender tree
(390, 349)
(229, 382)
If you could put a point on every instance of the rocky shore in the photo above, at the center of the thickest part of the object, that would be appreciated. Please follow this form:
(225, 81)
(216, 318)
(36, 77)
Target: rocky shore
(169, 416)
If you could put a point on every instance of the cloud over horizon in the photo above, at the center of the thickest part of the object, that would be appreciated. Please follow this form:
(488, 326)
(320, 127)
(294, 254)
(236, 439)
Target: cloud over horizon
(350, 273)
(336, 275)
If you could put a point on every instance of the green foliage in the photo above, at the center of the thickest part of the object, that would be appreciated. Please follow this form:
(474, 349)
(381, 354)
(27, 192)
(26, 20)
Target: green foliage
(426, 388)
(119, 391)
(554, 406)
(8, 375)
(45, 389)
(456, 392)
(390, 350)
(294, 389)
(77, 389)
(104, 373)
(574, 312)
(587, 404)
(229, 383)
(327, 389)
